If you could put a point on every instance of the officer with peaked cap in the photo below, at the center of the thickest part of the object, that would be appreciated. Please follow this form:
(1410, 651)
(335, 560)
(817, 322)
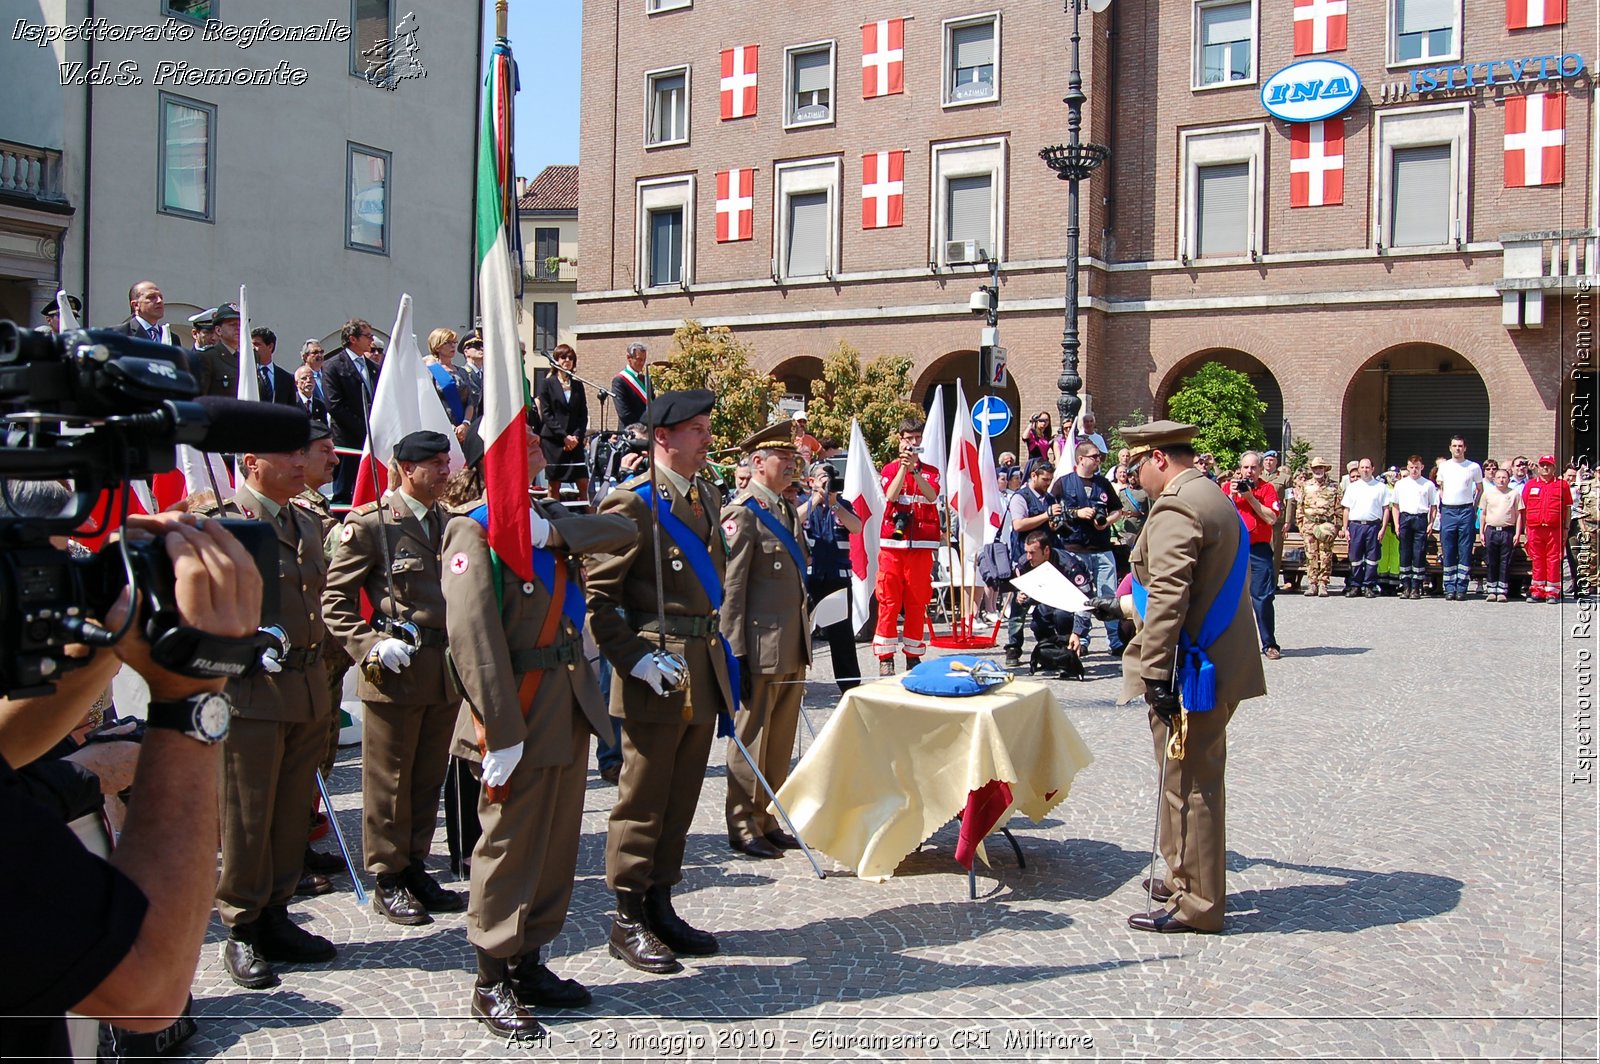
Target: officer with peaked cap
(765, 620)
(1192, 561)
(218, 363)
(390, 551)
(668, 718)
(52, 312)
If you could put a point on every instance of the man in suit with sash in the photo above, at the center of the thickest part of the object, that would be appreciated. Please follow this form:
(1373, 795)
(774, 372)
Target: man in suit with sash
(1194, 659)
(669, 701)
(631, 389)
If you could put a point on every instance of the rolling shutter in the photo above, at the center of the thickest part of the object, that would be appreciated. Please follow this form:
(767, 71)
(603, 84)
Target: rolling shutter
(1224, 208)
(1426, 409)
(1419, 211)
(808, 235)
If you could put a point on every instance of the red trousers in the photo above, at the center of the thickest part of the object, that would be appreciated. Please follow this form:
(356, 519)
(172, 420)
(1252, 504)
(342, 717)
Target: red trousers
(905, 581)
(1545, 557)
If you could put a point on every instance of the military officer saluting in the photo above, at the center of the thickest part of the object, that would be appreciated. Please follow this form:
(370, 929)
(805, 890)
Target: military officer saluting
(668, 717)
(766, 623)
(530, 703)
(278, 735)
(390, 550)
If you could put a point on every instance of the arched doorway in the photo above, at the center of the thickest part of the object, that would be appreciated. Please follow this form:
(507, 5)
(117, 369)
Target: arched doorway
(1410, 399)
(963, 366)
(796, 375)
(1261, 377)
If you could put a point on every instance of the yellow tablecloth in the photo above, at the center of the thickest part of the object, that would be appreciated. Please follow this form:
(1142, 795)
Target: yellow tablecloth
(891, 767)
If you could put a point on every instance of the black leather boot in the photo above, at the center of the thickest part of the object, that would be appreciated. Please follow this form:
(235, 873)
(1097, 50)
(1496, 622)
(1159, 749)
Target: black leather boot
(494, 1001)
(279, 938)
(392, 900)
(672, 929)
(245, 965)
(537, 985)
(634, 944)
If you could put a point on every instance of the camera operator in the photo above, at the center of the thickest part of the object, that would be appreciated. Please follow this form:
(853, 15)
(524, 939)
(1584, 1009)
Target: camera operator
(1050, 623)
(910, 535)
(1259, 508)
(1032, 509)
(119, 940)
(1090, 506)
(829, 524)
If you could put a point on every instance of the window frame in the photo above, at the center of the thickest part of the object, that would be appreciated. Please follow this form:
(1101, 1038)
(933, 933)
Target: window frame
(650, 79)
(1419, 127)
(657, 7)
(540, 272)
(190, 17)
(652, 194)
(351, 148)
(163, 99)
(790, 53)
(554, 332)
(1392, 39)
(966, 158)
(357, 68)
(1197, 57)
(947, 59)
(1239, 143)
(799, 177)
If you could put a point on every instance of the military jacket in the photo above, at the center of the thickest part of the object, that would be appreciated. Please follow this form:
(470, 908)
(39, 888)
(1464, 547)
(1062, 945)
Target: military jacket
(765, 616)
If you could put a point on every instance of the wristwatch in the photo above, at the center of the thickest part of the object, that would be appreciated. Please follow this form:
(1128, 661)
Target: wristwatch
(204, 717)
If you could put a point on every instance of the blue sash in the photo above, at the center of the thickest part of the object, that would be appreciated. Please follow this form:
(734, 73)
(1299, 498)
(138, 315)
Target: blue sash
(448, 391)
(1197, 677)
(544, 569)
(705, 570)
(775, 526)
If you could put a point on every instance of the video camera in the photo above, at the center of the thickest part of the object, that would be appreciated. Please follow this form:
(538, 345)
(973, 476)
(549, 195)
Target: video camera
(100, 409)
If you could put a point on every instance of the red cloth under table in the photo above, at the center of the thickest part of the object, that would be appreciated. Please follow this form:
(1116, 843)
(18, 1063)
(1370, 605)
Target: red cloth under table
(985, 807)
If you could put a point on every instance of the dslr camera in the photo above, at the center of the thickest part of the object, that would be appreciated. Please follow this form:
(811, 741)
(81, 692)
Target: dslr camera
(900, 525)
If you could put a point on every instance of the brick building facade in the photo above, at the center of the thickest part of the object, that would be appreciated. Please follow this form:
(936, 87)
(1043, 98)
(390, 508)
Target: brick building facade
(741, 162)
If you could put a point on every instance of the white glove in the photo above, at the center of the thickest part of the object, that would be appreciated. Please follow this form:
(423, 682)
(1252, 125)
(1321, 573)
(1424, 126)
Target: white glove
(499, 764)
(539, 528)
(662, 674)
(270, 662)
(393, 654)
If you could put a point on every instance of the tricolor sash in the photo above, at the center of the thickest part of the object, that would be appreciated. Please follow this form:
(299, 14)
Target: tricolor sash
(1197, 679)
(632, 379)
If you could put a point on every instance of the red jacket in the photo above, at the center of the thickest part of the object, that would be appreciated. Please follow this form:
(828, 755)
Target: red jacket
(924, 530)
(1543, 501)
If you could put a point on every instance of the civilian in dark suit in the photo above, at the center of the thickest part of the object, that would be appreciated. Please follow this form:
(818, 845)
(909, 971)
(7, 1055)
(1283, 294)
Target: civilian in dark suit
(277, 386)
(565, 412)
(146, 308)
(631, 389)
(349, 376)
(305, 394)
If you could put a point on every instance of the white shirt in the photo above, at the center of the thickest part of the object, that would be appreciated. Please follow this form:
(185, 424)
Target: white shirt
(1415, 495)
(1458, 482)
(1365, 499)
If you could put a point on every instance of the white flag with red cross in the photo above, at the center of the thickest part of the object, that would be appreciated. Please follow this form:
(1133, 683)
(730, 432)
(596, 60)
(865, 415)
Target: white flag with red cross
(736, 204)
(1530, 14)
(1536, 137)
(883, 189)
(883, 58)
(739, 67)
(1320, 26)
(1316, 163)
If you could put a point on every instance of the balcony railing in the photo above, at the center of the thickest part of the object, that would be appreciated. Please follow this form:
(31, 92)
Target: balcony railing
(29, 172)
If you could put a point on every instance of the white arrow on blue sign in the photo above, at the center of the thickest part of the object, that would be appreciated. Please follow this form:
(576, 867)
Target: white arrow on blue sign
(991, 410)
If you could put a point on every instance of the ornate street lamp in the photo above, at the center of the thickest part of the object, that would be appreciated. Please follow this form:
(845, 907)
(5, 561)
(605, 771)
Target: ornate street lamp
(1073, 162)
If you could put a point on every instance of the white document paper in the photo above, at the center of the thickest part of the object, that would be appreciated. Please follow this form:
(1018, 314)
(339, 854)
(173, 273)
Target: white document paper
(1049, 585)
(831, 609)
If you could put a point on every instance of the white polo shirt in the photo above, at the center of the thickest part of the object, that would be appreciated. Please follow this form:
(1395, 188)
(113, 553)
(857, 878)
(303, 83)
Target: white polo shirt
(1458, 482)
(1365, 499)
(1415, 495)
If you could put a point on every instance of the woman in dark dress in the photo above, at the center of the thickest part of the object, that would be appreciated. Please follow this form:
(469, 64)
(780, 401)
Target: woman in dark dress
(565, 410)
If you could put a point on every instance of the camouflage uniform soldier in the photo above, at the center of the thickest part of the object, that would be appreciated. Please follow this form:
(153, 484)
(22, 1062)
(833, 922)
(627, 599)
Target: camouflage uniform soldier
(1319, 510)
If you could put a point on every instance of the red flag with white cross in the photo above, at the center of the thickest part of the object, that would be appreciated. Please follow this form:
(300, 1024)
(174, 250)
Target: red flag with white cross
(883, 58)
(1320, 26)
(1536, 137)
(736, 204)
(883, 189)
(1316, 163)
(1530, 14)
(739, 66)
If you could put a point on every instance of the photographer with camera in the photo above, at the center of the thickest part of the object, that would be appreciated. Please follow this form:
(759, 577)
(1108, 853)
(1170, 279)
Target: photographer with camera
(905, 559)
(1259, 508)
(829, 523)
(1089, 506)
(119, 940)
(1032, 510)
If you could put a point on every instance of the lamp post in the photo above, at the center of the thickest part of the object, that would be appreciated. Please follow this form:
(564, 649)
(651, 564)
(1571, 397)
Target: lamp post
(1073, 162)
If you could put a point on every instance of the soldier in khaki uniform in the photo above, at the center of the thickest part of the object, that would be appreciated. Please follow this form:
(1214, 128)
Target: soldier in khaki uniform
(410, 702)
(272, 750)
(1185, 552)
(1278, 475)
(1319, 507)
(530, 702)
(668, 719)
(768, 627)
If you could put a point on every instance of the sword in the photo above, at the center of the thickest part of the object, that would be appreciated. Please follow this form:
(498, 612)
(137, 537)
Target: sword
(682, 672)
(404, 630)
(338, 836)
(782, 812)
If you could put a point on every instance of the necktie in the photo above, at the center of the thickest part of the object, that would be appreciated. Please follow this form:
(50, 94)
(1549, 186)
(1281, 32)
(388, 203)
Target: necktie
(154, 332)
(266, 382)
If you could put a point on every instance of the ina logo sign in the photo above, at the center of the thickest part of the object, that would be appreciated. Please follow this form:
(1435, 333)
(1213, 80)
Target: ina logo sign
(1310, 91)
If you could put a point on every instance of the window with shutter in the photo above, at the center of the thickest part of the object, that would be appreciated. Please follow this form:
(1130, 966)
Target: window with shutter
(666, 247)
(669, 108)
(1222, 197)
(545, 319)
(546, 246)
(971, 48)
(1424, 29)
(811, 85)
(969, 210)
(1419, 196)
(807, 239)
(1225, 50)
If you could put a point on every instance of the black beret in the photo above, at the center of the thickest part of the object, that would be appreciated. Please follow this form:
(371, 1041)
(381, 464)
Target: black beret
(319, 431)
(673, 408)
(421, 445)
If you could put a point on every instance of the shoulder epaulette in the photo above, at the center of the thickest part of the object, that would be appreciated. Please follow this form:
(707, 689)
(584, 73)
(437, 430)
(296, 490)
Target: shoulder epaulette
(364, 509)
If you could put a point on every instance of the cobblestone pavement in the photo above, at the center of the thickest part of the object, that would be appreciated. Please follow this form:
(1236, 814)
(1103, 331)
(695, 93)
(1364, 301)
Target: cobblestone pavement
(1412, 876)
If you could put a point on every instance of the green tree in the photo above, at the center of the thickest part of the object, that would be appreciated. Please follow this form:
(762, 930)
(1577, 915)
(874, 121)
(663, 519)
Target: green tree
(1299, 455)
(1226, 407)
(1114, 441)
(873, 394)
(715, 359)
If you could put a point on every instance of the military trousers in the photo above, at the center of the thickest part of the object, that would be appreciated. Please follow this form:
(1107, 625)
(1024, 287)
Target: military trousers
(405, 751)
(663, 767)
(766, 726)
(1193, 840)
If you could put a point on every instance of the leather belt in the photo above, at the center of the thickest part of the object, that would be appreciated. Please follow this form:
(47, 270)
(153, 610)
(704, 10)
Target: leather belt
(684, 626)
(534, 658)
(1371, 521)
(302, 657)
(426, 637)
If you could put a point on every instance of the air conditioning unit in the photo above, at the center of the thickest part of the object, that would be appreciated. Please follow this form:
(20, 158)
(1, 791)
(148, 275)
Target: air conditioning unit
(960, 251)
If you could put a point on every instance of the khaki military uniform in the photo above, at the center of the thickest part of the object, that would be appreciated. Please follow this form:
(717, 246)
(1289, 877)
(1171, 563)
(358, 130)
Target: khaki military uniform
(525, 860)
(278, 732)
(410, 715)
(1183, 558)
(1319, 507)
(666, 739)
(1283, 483)
(334, 658)
(769, 630)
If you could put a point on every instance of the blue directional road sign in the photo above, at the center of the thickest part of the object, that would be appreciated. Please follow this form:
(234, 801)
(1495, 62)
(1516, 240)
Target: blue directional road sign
(992, 411)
